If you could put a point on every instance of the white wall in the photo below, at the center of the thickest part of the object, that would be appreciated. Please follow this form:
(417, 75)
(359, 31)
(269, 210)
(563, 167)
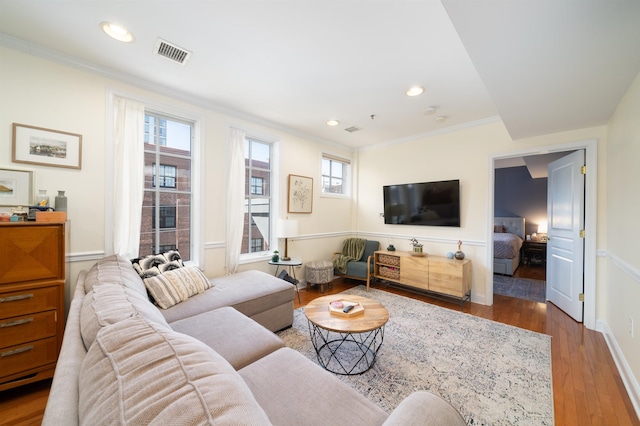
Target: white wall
(48, 94)
(622, 279)
(463, 155)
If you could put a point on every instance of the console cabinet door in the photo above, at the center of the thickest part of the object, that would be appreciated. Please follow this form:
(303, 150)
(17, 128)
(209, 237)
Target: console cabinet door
(450, 276)
(414, 271)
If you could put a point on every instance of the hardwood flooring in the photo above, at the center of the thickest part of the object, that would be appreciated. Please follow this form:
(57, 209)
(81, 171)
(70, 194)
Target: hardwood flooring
(586, 385)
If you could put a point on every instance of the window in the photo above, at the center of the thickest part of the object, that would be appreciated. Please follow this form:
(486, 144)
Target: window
(167, 217)
(257, 185)
(257, 215)
(335, 174)
(166, 209)
(166, 176)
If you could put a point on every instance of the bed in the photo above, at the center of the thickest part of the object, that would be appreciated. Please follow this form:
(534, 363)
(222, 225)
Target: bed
(508, 237)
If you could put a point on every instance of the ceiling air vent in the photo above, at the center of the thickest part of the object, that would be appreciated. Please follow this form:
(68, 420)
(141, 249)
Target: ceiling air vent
(352, 129)
(171, 52)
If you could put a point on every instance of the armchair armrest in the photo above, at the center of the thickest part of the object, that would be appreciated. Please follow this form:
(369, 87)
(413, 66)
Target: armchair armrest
(423, 408)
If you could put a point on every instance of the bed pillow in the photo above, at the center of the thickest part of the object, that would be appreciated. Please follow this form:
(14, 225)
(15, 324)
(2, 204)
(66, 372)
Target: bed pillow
(175, 286)
(156, 264)
(499, 229)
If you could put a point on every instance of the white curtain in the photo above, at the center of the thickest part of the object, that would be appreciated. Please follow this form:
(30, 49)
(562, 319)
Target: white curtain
(128, 185)
(235, 200)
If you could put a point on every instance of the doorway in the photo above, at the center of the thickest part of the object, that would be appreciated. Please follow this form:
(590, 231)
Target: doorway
(590, 147)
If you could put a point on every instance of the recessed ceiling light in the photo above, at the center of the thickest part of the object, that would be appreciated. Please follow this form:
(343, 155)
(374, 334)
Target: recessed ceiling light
(429, 110)
(333, 123)
(415, 91)
(117, 32)
(440, 119)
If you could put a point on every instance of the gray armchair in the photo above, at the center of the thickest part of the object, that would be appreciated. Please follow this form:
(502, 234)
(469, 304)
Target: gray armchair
(360, 269)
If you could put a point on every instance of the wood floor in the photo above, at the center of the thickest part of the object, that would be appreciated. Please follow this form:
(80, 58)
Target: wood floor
(586, 385)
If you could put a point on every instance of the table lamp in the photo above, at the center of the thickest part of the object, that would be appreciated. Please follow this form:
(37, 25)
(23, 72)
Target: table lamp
(542, 232)
(287, 229)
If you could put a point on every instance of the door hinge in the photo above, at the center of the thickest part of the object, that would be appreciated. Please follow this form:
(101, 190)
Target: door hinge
(583, 170)
(581, 297)
(582, 233)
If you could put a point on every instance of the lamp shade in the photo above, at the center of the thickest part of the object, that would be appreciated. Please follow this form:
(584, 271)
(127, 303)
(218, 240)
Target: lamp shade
(287, 228)
(542, 229)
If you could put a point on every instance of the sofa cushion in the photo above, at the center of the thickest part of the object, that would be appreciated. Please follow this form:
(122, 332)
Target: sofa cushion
(109, 303)
(156, 264)
(320, 398)
(139, 373)
(175, 286)
(236, 337)
(423, 408)
(114, 269)
(250, 292)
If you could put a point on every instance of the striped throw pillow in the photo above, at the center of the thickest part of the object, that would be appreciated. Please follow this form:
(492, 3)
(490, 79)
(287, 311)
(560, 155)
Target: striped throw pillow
(177, 285)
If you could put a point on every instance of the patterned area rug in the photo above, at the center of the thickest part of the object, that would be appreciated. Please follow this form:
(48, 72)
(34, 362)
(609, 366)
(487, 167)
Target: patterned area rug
(522, 288)
(493, 373)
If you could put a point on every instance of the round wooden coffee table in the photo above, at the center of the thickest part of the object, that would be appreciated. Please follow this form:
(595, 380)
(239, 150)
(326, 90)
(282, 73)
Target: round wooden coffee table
(346, 345)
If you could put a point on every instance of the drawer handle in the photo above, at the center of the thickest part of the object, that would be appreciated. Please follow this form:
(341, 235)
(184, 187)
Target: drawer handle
(14, 298)
(16, 351)
(16, 322)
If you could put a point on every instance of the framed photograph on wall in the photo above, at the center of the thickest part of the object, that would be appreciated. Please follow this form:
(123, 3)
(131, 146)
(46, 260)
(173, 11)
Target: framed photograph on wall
(300, 194)
(16, 187)
(46, 147)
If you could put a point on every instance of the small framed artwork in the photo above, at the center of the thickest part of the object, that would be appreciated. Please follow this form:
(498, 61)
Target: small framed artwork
(16, 187)
(46, 147)
(300, 194)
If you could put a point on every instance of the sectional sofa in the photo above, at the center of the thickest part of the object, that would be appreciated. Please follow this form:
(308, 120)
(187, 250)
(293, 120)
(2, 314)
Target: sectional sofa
(211, 358)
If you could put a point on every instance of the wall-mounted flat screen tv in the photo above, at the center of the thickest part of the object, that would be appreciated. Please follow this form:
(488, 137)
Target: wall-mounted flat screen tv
(426, 203)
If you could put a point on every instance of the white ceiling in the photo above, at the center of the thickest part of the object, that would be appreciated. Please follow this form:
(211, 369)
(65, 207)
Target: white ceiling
(541, 65)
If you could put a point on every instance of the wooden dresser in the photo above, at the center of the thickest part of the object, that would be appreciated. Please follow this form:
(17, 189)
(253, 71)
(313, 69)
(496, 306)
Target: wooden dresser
(434, 275)
(32, 277)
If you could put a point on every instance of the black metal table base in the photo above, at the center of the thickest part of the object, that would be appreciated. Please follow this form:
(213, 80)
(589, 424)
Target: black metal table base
(346, 353)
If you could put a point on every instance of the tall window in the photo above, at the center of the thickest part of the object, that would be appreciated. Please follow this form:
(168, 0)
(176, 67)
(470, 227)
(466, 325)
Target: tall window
(166, 209)
(257, 214)
(335, 174)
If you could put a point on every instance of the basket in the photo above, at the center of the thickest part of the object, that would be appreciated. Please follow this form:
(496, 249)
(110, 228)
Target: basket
(389, 260)
(389, 272)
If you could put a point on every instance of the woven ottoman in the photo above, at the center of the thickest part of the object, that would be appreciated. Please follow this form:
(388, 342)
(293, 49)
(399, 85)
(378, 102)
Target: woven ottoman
(319, 272)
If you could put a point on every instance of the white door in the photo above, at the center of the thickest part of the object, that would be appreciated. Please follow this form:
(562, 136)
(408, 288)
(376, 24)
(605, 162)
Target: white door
(565, 247)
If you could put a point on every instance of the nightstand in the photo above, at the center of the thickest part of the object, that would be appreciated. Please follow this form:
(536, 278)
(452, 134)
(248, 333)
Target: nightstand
(534, 251)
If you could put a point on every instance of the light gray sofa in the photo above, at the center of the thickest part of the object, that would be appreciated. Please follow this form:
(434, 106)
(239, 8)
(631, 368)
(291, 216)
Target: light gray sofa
(211, 359)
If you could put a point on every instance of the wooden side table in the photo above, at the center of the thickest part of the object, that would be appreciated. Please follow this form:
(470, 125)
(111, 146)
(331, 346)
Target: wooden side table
(343, 345)
(533, 249)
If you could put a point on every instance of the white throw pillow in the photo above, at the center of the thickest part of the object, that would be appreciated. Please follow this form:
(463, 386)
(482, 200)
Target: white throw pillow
(175, 286)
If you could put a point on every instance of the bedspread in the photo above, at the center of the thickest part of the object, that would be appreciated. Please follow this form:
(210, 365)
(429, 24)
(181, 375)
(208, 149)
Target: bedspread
(506, 246)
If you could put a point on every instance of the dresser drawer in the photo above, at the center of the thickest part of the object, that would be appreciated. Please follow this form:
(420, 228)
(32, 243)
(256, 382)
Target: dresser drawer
(26, 356)
(16, 330)
(28, 301)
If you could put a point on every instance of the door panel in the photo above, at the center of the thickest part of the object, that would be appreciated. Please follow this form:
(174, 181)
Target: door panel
(565, 246)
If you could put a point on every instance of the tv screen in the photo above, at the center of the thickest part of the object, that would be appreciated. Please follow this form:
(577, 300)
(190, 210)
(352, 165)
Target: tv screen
(426, 203)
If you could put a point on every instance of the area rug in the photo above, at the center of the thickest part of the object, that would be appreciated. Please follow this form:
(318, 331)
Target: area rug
(522, 288)
(493, 373)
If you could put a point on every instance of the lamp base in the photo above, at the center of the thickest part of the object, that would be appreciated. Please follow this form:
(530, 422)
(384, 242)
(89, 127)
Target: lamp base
(285, 258)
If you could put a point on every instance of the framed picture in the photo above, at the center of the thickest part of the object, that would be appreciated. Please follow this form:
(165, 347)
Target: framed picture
(300, 194)
(16, 187)
(46, 147)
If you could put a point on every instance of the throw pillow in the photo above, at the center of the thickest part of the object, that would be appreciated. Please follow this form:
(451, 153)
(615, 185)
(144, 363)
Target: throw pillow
(156, 264)
(172, 287)
(498, 228)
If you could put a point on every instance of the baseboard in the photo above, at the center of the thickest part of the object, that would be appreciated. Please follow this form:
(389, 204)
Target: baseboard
(629, 380)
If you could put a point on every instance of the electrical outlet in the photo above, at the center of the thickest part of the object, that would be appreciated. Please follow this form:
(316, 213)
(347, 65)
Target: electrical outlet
(631, 326)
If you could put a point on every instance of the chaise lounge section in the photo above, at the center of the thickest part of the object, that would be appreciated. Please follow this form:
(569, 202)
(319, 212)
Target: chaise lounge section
(213, 361)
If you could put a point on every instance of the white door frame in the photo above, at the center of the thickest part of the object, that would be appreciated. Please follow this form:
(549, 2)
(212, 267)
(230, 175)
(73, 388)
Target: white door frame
(591, 186)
